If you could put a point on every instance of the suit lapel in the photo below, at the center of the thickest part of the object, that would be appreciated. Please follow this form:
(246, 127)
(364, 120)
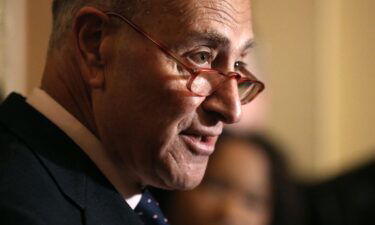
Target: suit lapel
(74, 173)
(105, 206)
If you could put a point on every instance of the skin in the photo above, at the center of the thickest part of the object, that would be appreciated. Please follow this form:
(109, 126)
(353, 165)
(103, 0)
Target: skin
(235, 190)
(134, 98)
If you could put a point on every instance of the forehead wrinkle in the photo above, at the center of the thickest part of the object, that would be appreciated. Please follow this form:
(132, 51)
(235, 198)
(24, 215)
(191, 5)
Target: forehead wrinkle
(189, 12)
(223, 8)
(219, 13)
(228, 5)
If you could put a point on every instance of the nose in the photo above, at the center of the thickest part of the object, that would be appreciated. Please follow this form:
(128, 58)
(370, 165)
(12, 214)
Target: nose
(225, 102)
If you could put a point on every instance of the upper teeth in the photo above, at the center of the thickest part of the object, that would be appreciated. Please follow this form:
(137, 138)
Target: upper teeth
(199, 137)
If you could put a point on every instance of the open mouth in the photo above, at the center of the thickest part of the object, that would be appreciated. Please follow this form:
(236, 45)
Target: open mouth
(199, 144)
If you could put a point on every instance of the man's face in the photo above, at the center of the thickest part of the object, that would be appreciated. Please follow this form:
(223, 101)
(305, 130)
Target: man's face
(157, 131)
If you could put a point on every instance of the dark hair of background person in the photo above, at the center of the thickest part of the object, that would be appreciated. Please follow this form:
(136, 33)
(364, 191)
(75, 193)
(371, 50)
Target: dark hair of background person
(347, 199)
(288, 202)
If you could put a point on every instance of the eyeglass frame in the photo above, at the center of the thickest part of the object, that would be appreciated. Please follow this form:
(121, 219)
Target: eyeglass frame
(196, 71)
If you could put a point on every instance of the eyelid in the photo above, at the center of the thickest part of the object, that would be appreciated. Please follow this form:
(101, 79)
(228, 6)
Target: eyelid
(200, 49)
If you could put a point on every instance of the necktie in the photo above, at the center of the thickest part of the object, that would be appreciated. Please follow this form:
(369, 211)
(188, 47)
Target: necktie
(149, 211)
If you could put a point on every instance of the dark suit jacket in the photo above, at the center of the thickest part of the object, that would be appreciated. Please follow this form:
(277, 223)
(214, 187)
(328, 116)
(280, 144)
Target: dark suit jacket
(46, 179)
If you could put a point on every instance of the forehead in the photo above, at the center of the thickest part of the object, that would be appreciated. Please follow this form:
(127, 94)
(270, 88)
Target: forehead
(227, 12)
(230, 19)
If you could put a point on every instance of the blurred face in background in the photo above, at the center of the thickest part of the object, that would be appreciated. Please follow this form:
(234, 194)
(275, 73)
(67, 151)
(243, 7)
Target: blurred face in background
(236, 189)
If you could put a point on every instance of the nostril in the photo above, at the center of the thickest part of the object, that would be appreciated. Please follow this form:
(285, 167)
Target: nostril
(216, 117)
(227, 118)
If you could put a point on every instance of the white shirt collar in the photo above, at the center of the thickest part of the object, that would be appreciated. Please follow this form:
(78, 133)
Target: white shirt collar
(86, 140)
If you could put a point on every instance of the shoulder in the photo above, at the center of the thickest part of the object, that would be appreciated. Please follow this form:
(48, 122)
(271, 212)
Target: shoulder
(28, 193)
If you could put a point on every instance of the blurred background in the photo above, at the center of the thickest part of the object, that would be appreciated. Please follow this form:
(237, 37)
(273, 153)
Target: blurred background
(316, 57)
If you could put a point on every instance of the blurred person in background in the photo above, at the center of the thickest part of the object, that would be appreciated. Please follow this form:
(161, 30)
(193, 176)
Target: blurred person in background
(246, 183)
(347, 199)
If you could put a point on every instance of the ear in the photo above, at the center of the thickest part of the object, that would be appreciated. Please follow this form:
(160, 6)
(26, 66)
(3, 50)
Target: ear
(90, 33)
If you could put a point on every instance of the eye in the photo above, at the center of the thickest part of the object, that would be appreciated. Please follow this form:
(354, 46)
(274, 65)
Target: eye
(239, 65)
(202, 58)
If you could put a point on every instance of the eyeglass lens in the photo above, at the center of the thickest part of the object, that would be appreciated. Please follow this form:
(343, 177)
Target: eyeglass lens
(206, 82)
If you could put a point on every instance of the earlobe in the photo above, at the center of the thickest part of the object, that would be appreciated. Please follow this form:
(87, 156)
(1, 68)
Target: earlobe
(97, 81)
(89, 32)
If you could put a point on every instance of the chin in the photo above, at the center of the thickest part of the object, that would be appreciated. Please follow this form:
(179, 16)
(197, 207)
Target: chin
(183, 180)
(182, 185)
(179, 169)
(188, 184)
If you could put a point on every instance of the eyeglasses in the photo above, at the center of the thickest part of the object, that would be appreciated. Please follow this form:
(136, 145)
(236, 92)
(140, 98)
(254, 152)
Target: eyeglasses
(205, 81)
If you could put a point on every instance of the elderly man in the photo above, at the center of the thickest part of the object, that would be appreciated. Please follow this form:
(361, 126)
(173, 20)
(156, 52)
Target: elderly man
(134, 94)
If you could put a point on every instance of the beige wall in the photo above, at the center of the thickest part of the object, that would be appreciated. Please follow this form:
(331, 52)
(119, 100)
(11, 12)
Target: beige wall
(1, 47)
(38, 29)
(26, 26)
(13, 71)
(357, 105)
(285, 36)
(316, 56)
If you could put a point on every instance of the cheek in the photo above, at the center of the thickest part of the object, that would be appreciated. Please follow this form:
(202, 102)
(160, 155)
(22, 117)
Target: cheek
(155, 91)
(143, 108)
(150, 99)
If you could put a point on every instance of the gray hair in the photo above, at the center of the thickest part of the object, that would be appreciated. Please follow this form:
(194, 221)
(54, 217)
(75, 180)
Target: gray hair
(64, 11)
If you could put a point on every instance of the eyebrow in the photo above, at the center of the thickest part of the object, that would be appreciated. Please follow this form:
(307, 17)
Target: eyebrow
(214, 39)
(249, 44)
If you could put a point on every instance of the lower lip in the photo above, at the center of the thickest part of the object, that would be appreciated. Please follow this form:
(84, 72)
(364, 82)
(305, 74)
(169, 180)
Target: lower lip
(201, 147)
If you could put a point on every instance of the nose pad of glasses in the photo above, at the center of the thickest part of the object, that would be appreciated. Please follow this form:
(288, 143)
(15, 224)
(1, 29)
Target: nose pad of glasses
(206, 82)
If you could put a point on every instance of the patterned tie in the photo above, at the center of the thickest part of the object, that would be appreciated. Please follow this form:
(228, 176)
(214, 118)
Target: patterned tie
(149, 211)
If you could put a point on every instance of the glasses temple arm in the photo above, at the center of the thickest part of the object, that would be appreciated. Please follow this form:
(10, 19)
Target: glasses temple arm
(160, 45)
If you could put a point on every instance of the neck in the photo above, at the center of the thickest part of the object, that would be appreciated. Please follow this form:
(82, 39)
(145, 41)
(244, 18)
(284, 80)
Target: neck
(66, 86)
